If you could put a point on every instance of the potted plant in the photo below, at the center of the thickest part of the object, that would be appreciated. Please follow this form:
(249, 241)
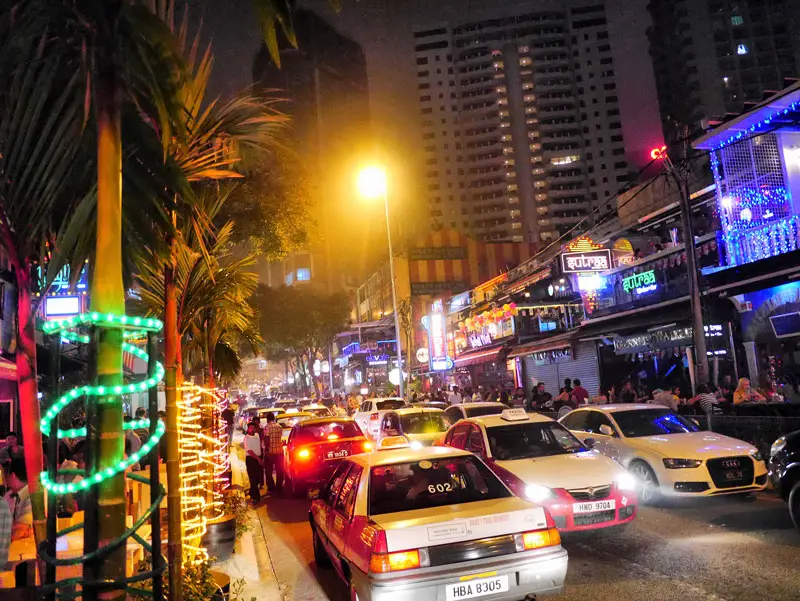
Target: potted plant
(222, 533)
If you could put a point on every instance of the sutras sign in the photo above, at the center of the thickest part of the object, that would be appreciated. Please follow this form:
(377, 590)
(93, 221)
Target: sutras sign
(583, 262)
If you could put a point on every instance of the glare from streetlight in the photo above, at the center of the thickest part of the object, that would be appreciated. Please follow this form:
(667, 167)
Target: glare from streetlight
(372, 182)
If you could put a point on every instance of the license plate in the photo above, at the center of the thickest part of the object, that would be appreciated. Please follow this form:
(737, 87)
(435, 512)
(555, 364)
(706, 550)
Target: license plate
(479, 587)
(733, 475)
(337, 454)
(592, 506)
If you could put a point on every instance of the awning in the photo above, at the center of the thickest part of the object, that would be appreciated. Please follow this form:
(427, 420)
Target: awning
(660, 314)
(551, 343)
(759, 275)
(478, 356)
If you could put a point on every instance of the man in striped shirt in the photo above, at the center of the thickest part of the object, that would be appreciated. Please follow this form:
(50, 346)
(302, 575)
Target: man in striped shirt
(706, 398)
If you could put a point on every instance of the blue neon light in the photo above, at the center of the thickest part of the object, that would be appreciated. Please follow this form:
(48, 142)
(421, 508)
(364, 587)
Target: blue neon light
(753, 128)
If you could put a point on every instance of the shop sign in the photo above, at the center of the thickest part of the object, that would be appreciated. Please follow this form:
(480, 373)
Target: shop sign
(432, 253)
(555, 356)
(479, 340)
(422, 355)
(434, 288)
(640, 283)
(437, 342)
(377, 359)
(582, 255)
(458, 302)
(662, 339)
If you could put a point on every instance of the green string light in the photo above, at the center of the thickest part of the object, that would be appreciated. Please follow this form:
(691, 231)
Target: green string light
(135, 327)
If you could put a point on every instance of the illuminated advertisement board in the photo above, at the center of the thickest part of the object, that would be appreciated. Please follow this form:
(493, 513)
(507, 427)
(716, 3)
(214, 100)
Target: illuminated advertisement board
(437, 339)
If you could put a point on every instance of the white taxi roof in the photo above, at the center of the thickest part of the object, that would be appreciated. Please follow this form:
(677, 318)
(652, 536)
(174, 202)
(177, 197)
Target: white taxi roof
(404, 455)
(506, 419)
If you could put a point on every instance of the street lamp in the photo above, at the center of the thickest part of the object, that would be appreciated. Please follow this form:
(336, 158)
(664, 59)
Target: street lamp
(372, 185)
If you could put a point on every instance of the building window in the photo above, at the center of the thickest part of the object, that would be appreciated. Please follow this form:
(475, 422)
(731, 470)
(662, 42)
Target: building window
(422, 61)
(303, 274)
(289, 278)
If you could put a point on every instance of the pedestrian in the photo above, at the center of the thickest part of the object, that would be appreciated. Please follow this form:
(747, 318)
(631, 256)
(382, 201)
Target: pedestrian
(612, 395)
(706, 399)
(540, 398)
(579, 393)
(743, 393)
(454, 398)
(665, 398)
(228, 415)
(477, 396)
(519, 397)
(273, 435)
(603, 397)
(504, 397)
(132, 442)
(6, 530)
(19, 500)
(567, 387)
(142, 433)
(12, 450)
(726, 388)
(493, 396)
(466, 395)
(253, 461)
(627, 394)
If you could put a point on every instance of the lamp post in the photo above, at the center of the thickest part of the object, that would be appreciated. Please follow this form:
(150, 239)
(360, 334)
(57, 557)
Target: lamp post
(372, 184)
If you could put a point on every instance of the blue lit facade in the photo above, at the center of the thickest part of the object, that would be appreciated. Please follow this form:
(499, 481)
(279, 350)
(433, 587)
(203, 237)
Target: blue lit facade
(755, 160)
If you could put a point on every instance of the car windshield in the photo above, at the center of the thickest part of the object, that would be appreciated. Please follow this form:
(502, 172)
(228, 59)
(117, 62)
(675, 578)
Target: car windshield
(317, 410)
(390, 404)
(287, 422)
(478, 411)
(320, 432)
(431, 483)
(531, 439)
(424, 422)
(652, 422)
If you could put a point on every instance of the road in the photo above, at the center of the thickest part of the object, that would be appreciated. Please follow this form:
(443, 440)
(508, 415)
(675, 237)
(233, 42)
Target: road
(720, 549)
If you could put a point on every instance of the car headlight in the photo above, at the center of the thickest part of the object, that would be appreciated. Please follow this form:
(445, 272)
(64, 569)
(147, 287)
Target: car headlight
(626, 482)
(756, 455)
(777, 446)
(537, 493)
(675, 464)
(415, 444)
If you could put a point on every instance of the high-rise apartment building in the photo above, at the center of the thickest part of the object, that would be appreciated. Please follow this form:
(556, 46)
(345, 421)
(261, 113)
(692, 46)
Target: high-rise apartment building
(521, 121)
(324, 85)
(712, 56)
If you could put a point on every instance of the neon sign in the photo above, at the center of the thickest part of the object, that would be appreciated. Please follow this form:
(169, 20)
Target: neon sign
(641, 283)
(583, 255)
(437, 339)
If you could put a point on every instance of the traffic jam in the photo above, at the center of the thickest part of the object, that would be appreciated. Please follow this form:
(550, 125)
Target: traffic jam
(471, 501)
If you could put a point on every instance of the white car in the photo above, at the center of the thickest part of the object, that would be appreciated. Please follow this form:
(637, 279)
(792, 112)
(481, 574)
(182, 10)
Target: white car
(541, 461)
(422, 426)
(433, 524)
(474, 409)
(318, 410)
(668, 452)
(371, 412)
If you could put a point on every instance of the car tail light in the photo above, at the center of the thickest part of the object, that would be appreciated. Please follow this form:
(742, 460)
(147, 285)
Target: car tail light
(303, 454)
(367, 446)
(537, 539)
(394, 562)
(374, 417)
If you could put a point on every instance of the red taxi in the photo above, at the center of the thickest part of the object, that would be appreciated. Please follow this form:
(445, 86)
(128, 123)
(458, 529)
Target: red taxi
(543, 462)
(433, 524)
(315, 448)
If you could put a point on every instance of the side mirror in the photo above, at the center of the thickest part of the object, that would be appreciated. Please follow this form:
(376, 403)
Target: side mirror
(589, 442)
(695, 422)
(606, 430)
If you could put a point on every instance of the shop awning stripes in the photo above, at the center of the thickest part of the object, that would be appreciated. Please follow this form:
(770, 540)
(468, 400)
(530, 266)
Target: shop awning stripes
(552, 343)
(481, 356)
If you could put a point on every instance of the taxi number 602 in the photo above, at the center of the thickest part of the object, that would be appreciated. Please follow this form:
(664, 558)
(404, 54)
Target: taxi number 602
(434, 488)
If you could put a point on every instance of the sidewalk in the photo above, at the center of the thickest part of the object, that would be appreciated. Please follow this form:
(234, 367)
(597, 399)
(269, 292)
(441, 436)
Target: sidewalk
(251, 560)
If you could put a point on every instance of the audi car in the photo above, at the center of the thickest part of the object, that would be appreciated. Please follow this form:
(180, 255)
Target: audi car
(538, 459)
(668, 453)
(316, 446)
(784, 472)
(433, 524)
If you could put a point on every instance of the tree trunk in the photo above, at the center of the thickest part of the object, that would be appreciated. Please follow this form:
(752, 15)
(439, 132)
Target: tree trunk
(314, 377)
(174, 515)
(29, 409)
(108, 296)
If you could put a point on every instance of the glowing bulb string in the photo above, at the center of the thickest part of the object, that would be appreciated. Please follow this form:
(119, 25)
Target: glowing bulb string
(133, 328)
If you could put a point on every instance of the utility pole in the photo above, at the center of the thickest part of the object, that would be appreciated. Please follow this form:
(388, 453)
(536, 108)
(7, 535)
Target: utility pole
(680, 174)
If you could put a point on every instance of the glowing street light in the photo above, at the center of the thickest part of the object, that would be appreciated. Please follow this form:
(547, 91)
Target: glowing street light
(371, 184)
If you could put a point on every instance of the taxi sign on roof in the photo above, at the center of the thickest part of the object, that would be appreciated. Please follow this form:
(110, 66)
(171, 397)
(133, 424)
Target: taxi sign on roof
(514, 415)
(393, 442)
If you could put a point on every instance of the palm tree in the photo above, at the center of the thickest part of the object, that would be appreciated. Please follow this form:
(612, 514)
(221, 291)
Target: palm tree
(40, 132)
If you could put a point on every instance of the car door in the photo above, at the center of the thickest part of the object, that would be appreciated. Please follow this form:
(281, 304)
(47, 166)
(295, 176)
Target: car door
(458, 437)
(475, 442)
(342, 515)
(324, 518)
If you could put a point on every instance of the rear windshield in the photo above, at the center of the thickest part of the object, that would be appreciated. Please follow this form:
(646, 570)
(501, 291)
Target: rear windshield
(290, 420)
(326, 431)
(524, 441)
(390, 404)
(427, 422)
(431, 483)
(478, 411)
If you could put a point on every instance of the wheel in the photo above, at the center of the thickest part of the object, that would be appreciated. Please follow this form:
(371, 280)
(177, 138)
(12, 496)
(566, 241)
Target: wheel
(648, 483)
(794, 504)
(321, 557)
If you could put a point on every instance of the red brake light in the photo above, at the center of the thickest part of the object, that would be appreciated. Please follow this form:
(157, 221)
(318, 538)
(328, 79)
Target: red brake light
(394, 562)
(333, 436)
(303, 454)
(367, 446)
(373, 417)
